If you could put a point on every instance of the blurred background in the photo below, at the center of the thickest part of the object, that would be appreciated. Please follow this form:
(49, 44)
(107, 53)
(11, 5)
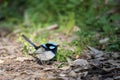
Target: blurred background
(77, 23)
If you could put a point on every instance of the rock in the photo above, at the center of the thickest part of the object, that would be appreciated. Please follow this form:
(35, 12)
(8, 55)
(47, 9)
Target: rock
(79, 68)
(80, 62)
(72, 74)
(95, 53)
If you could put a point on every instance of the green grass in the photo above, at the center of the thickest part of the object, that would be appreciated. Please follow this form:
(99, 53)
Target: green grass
(62, 52)
(92, 17)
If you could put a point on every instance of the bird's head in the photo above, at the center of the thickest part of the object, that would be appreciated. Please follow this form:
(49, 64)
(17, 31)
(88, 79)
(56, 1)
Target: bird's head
(50, 46)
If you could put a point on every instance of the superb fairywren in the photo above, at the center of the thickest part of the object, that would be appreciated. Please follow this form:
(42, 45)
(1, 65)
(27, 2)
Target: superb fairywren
(44, 52)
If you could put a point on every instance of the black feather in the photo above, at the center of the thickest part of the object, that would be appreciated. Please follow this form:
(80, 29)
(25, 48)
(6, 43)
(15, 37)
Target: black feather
(29, 41)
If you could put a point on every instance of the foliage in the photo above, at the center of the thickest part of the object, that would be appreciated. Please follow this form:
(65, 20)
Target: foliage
(97, 20)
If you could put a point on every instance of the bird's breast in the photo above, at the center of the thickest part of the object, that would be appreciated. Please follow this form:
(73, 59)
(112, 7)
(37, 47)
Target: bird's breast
(44, 55)
(47, 55)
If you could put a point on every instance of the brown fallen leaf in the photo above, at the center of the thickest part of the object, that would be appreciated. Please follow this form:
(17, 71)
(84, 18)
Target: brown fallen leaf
(1, 61)
(21, 59)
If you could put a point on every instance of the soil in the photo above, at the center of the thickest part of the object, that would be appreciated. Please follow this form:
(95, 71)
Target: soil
(15, 66)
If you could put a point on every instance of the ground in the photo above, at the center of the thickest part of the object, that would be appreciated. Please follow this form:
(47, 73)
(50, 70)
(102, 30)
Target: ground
(16, 66)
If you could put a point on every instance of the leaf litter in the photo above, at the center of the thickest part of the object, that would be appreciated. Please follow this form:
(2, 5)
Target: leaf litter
(93, 64)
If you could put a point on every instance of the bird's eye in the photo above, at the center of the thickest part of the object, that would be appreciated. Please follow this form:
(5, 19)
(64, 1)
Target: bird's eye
(52, 47)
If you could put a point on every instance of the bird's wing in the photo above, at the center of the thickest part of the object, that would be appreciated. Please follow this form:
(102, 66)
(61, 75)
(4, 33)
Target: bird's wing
(49, 54)
(41, 50)
(45, 56)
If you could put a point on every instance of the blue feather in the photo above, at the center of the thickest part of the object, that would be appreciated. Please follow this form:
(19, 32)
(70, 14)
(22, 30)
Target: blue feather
(52, 43)
(52, 47)
(44, 45)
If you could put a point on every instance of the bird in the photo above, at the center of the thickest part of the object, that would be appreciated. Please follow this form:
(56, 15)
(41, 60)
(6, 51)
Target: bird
(43, 52)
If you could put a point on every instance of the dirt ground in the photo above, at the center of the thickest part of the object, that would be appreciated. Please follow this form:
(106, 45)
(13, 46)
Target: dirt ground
(15, 66)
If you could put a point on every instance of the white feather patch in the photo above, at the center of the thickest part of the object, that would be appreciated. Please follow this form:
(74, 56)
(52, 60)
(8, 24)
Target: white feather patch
(44, 55)
(47, 55)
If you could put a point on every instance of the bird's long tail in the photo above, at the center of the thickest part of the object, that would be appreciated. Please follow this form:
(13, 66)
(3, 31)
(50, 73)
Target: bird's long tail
(29, 41)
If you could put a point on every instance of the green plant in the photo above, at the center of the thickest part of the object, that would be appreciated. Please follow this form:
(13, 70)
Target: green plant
(93, 17)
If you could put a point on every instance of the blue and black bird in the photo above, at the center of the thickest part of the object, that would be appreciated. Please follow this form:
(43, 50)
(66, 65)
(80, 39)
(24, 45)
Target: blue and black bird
(44, 52)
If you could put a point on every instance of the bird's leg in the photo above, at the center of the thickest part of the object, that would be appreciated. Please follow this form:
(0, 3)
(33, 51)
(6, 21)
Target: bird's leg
(39, 61)
(43, 62)
(49, 62)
